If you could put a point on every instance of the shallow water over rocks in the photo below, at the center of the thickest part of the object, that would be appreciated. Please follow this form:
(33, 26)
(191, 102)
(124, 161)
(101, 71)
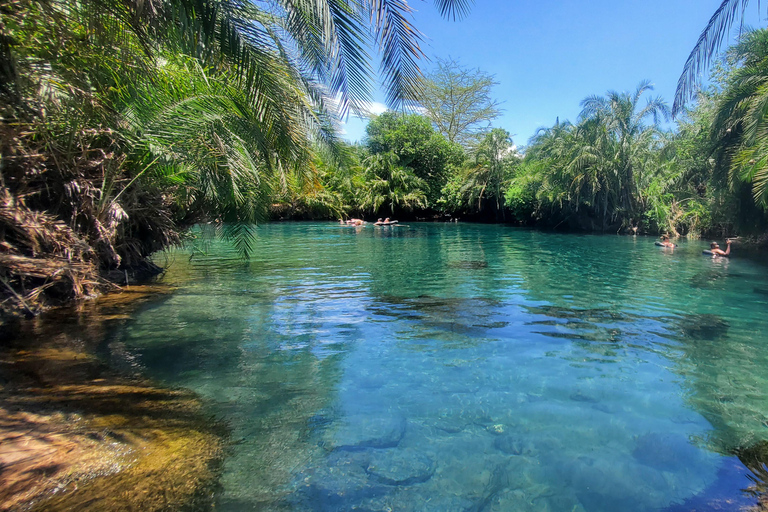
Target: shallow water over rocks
(77, 435)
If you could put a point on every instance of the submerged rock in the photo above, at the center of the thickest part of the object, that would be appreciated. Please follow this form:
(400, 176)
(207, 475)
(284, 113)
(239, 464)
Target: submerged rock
(363, 432)
(666, 452)
(704, 327)
(707, 279)
(593, 315)
(75, 435)
(468, 265)
(103, 444)
(340, 482)
(451, 426)
(512, 445)
(579, 396)
(400, 467)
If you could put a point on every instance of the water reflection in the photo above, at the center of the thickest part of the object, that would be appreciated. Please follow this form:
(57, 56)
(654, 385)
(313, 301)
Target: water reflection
(265, 370)
(467, 368)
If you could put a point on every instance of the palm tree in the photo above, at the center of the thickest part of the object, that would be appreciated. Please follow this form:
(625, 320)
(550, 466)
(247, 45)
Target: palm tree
(740, 126)
(491, 161)
(624, 138)
(134, 119)
(389, 183)
(594, 170)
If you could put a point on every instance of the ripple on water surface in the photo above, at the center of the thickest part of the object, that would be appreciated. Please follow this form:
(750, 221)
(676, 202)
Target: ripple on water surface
(468, 368)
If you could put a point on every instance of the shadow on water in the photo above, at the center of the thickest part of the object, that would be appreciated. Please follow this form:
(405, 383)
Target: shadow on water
(755, 458)
(741, 484)
(723, 374)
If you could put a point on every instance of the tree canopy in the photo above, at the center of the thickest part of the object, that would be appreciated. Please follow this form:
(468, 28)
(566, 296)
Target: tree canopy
(740, 124)
(417, 146)
(459, 101)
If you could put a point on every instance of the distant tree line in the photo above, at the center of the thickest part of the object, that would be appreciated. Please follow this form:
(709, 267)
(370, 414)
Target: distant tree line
(613, 170)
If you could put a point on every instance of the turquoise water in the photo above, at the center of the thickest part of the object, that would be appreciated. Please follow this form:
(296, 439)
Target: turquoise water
(467, 368)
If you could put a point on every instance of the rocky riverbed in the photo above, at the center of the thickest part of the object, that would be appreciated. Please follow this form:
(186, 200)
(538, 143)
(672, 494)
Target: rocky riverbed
(77, 435)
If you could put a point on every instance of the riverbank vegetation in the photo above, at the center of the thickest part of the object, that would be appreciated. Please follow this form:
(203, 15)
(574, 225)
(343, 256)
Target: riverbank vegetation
(617, 168)
(123, 124)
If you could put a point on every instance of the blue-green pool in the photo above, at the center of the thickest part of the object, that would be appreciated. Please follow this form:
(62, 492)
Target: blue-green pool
(453, 367)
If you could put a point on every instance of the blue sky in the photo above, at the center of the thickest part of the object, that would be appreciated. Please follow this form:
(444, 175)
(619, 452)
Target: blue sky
(548, 55)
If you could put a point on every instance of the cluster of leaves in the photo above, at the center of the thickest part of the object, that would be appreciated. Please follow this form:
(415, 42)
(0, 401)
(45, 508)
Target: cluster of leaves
(478, 186)
(717, 162)
(591, 175)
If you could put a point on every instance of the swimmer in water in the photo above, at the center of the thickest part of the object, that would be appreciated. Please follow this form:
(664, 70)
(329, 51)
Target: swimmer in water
(665, 241)
(716, 251)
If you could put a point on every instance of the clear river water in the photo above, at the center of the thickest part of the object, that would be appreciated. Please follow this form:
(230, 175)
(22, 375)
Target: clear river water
(459, 367)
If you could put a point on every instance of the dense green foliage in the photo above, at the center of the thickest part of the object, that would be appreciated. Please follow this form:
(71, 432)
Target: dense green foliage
(417, 146)
(124, 123)
(478, 186)
(617, 170)
(595, 171)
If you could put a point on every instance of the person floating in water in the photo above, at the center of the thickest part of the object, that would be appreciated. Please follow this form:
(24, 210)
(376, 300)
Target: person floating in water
(665, 242)
(716, 251)
(385, 222)
(354, 222)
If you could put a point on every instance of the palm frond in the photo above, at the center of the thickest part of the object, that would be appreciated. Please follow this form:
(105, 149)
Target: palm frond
(399, 43)
(709, 42)
(454, 9)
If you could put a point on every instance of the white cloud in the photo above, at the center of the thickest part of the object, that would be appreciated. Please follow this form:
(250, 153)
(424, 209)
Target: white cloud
(375, 108)
(368, 109)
